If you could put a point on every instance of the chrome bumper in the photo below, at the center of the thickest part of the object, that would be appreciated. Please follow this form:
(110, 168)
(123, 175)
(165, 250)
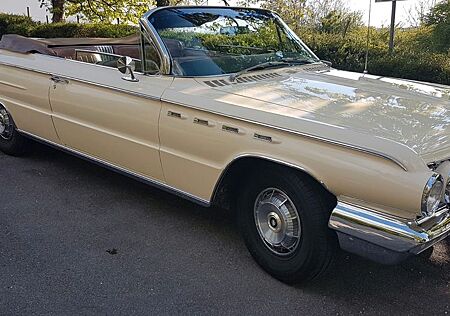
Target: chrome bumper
(383, 238)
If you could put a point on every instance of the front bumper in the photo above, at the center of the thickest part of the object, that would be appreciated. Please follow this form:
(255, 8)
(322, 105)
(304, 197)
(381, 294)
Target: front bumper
(383, 238)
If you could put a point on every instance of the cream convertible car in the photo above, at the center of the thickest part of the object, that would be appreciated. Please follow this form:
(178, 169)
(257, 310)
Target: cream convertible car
(228, 107)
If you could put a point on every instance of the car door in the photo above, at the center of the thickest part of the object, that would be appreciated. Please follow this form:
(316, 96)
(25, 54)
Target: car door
(101, 115)
(24, 93)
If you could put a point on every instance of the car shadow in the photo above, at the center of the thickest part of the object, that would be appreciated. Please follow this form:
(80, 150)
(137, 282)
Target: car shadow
(415, 282)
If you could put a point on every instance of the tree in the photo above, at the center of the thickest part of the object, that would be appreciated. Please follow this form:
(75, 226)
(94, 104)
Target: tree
(439, 20)
(340, 22)
(331, 16)
(56, 8)
(107, 10)
(101, 10)
(416, 14)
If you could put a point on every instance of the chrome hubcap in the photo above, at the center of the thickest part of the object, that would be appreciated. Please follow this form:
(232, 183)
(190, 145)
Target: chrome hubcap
(6, 126)
(277, 221)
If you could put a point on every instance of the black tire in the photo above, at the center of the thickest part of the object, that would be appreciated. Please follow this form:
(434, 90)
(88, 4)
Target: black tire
(316, 248)
(11, 141)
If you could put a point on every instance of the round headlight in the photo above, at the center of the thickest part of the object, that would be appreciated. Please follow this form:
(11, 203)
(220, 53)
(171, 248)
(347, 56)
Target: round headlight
(432, 195)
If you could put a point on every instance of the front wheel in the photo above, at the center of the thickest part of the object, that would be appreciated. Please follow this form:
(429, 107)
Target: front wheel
(283, 218)
(11, 142)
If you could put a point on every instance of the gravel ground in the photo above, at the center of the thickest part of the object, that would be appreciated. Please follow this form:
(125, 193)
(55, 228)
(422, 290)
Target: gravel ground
(79, 239)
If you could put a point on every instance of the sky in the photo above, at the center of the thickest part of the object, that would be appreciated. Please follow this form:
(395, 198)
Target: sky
(381, 12)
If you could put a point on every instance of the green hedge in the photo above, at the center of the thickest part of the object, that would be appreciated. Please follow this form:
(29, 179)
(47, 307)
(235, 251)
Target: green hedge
(16, 24)
(414, 57)
(22, 25)
(81, 30)
(410, 60)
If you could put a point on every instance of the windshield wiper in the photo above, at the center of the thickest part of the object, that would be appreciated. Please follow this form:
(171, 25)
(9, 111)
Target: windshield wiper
(269, 64)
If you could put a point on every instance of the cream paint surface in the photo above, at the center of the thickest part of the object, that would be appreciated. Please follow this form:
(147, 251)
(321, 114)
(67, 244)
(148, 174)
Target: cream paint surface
(414, 114)
(122, 127)
(201, 153)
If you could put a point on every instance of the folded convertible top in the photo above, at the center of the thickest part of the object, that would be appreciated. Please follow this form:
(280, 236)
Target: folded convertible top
(21, 44)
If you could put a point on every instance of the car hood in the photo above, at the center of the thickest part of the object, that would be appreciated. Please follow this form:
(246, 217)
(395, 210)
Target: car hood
(412, 113)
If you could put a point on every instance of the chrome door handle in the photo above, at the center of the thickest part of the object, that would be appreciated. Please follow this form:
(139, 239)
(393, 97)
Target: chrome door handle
(58, 79)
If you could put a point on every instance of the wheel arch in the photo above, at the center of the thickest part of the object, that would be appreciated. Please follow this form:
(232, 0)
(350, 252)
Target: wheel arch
(245, 164)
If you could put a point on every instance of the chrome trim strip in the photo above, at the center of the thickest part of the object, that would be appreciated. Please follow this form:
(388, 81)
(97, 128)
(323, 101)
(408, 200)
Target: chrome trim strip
(166, 60)
(306, 135)
(388, 232)
(165, 54)
(129, 92)
(123, 171)
(314, 137)
(12, 85)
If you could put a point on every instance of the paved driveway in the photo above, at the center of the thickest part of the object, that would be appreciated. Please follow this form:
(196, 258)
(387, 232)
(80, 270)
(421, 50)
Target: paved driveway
(77, 238)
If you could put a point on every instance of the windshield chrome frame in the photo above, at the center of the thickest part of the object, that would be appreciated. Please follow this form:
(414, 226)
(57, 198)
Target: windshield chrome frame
(166, 58)
(150, 32)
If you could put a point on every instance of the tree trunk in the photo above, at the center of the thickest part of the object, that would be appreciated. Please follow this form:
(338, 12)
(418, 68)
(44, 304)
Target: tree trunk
(58, 11)
(162, 3)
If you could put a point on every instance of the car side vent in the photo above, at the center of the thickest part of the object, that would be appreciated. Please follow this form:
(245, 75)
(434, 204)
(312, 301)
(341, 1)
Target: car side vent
(252, 78)
(316, 68)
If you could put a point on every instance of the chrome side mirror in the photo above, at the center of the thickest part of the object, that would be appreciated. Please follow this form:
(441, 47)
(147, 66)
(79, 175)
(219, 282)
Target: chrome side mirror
(126, 65)
(326, 62)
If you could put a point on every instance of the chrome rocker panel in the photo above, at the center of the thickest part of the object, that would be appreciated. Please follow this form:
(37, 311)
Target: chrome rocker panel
(386, 239)
(120, 170)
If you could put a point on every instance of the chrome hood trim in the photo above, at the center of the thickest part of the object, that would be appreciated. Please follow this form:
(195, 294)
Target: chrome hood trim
(407, 112)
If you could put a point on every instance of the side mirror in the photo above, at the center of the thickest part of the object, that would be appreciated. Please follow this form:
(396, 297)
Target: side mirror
(126, 65)
(328, 63)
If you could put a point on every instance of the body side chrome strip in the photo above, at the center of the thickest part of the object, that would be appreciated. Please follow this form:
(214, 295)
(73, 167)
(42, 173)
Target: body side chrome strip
(306, 135)
(120, 170)
(166, 61)
(137, 94)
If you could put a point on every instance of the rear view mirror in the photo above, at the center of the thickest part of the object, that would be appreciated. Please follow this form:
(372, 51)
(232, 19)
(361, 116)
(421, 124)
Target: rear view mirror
(126, 65)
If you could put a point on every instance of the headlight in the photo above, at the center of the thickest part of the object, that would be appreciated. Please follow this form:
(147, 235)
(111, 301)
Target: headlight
(447, 193)
(432, 195)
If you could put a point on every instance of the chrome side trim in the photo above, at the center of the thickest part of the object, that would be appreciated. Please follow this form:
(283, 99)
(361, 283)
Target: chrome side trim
(129, 92)
(166, 61)
(12, 85)
(123, 171)
(165, 54)
(388, 232)
(306, 135)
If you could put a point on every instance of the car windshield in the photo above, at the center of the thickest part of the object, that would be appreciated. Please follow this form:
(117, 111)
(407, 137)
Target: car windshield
(214, 41)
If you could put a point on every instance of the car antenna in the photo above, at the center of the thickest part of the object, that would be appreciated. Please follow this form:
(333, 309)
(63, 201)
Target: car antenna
(226, 3)
(368, 39)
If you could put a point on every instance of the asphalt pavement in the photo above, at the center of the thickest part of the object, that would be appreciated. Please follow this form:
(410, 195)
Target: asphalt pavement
(76, 238)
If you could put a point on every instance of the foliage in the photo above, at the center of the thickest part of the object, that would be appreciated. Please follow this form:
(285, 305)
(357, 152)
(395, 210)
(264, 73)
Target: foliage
(127, 11)
(340, 22)
(16, 24)
(413, 57)
(439, 20)
(82, 30)
(22, 25)
(107, 10)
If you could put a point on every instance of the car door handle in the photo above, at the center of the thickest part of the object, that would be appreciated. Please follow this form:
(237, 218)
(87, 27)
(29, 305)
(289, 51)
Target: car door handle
(58, 79)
